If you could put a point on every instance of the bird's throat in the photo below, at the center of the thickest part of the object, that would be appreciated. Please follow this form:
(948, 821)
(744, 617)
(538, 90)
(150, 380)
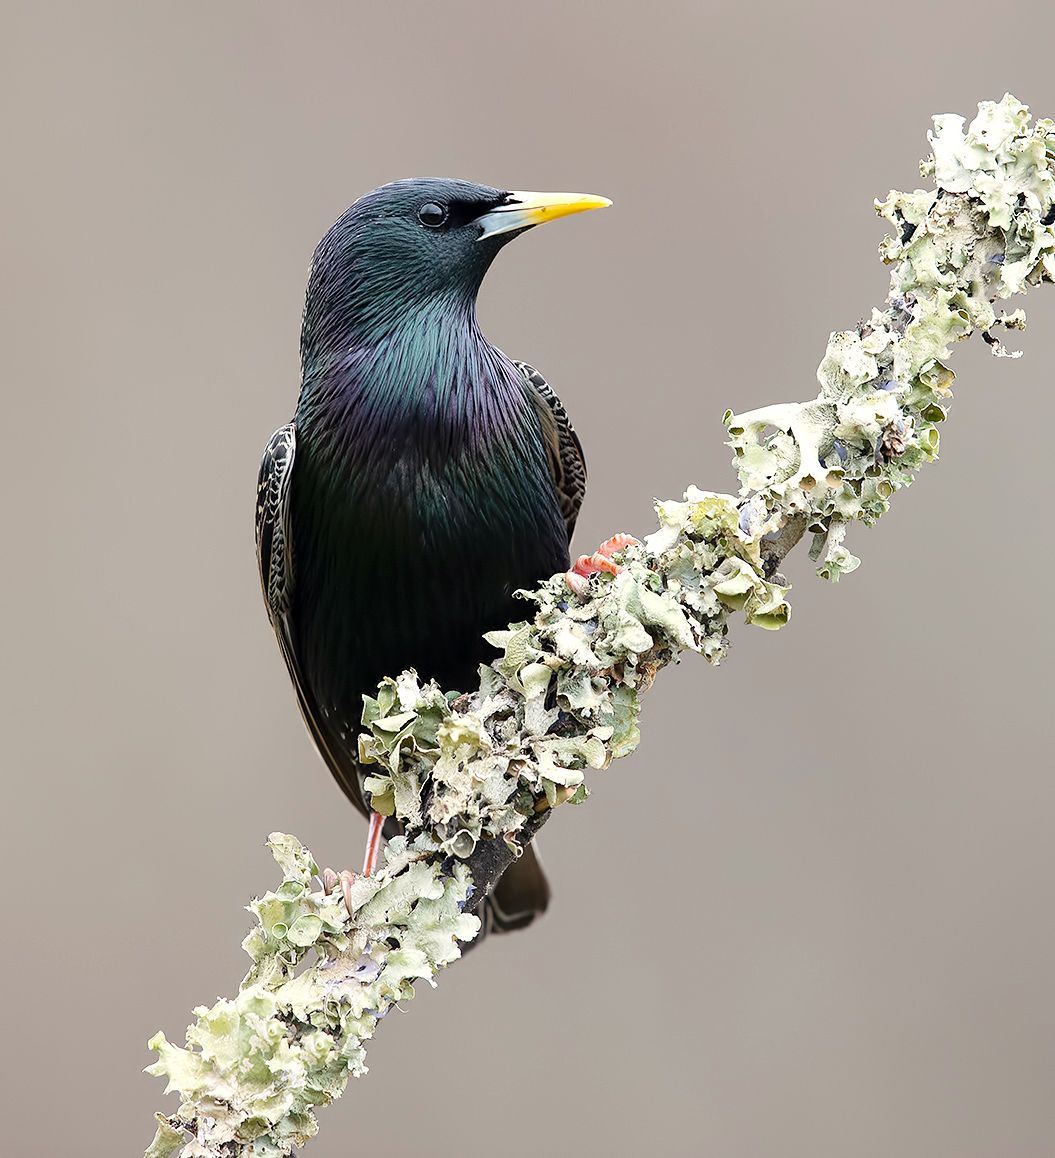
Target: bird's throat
(428, 375)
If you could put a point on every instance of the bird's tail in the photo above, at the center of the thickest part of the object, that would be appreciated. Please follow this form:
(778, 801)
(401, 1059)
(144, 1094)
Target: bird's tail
(521, 895)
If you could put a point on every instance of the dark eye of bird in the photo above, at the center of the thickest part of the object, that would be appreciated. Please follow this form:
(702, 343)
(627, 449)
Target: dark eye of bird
(432, 215)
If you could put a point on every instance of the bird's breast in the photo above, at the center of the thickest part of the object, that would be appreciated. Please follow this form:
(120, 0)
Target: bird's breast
(413, 526)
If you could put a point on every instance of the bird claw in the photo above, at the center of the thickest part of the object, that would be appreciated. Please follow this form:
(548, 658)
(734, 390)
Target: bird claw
(578, 578)
(345, 878)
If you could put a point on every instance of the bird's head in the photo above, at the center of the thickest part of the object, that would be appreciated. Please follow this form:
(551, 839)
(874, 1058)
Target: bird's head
(416, 245)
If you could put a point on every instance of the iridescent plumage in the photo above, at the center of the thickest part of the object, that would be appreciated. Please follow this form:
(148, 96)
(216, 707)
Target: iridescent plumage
(425, 476)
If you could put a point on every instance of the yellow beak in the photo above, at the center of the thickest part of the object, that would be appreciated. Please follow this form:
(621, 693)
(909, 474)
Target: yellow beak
(522, 210)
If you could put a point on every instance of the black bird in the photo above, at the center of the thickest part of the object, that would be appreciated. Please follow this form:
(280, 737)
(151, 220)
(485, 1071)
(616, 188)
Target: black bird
(424, 478)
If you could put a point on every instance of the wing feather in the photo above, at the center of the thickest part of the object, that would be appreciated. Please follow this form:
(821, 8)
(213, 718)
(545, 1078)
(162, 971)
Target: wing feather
(564, 451)
(274, 543)
(274, 547)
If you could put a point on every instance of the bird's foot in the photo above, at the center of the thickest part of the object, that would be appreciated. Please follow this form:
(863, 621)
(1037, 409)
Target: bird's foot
(578, 577)
(346, 878)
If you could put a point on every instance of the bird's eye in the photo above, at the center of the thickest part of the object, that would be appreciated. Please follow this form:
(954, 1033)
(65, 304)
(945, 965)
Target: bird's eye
(432, 215)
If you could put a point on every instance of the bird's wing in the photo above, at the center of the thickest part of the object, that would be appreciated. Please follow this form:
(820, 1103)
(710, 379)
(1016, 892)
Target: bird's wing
(567, 463)
(274, 542)
(274, 550)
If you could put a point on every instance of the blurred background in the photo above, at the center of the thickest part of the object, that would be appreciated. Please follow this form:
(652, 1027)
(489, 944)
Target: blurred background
(864, 862)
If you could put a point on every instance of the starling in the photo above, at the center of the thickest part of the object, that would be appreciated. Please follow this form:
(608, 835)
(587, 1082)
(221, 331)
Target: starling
(425, 477)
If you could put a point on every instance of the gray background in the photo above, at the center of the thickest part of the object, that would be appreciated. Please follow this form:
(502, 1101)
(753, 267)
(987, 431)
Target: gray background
(862, 862)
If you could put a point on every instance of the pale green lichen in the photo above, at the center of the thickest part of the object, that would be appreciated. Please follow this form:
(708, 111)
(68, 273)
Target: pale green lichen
(983, 233)
(561, 700)
(256, 1067)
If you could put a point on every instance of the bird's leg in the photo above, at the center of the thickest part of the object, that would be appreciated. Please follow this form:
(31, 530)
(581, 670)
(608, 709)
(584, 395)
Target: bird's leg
(346, 878)
(373, 843)
(601, 560)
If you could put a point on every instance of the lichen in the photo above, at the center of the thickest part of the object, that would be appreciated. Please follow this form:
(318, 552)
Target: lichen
(560, 701)
(983, 233)
(255, 1067)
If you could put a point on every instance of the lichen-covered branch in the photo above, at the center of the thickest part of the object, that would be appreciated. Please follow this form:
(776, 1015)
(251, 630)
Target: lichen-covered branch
(472, 776)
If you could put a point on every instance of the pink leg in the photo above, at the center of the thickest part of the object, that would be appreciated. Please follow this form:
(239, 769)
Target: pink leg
(601, 560)
(346, 878)
(373, 843)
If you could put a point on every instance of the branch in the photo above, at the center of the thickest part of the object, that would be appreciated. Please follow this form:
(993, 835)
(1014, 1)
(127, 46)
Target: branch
(472, 777)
